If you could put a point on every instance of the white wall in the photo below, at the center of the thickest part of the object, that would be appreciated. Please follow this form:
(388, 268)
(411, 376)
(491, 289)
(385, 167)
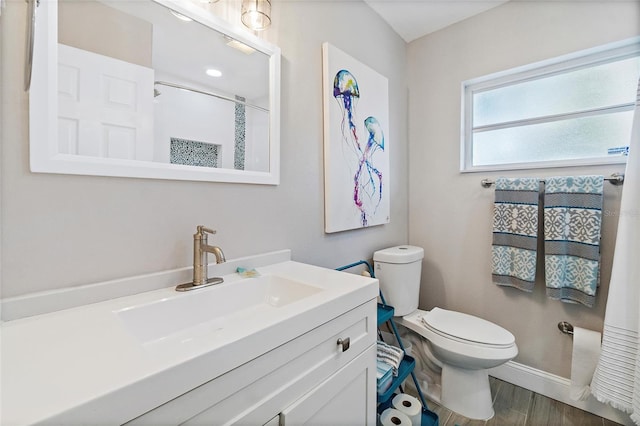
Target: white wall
(62, 231)
(256, 139)
(450, 213)
(192, 116)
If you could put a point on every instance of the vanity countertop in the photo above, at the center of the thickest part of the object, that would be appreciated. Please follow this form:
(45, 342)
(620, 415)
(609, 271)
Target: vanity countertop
(86, 362)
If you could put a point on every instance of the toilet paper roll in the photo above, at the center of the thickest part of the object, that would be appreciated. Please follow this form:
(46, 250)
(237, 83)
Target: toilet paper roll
(584, 357)
(393, 417)
(408, 405)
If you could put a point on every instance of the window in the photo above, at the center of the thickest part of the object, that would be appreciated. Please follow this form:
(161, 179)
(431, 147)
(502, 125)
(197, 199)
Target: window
(573, 110)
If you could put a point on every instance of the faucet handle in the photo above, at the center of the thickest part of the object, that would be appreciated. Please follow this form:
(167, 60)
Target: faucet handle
(202, 229)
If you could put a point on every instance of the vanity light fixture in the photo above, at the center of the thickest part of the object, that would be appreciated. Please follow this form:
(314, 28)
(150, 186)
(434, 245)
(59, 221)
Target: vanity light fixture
(256, 14)
(239, 45)
(212, 72)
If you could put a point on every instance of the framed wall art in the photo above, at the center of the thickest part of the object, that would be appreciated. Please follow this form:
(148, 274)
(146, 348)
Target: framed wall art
(356, 145)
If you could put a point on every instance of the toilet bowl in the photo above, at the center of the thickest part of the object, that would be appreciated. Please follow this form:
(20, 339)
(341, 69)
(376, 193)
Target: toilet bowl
(464, 345)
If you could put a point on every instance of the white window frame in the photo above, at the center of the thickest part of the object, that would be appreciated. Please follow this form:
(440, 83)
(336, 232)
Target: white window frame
(583, 59)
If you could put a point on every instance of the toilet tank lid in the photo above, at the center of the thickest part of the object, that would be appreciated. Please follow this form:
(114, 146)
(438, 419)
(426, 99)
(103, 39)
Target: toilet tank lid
(399, 254)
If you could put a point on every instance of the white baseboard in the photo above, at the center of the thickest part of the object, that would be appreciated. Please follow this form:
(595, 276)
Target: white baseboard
(554, 387)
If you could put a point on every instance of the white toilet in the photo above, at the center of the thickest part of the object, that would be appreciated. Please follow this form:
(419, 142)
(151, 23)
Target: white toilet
(463, 345)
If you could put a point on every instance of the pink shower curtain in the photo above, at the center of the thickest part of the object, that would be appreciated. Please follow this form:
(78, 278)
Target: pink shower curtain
(616, 380)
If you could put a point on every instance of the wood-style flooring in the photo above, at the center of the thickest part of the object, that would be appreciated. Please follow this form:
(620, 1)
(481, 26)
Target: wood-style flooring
(518, 406)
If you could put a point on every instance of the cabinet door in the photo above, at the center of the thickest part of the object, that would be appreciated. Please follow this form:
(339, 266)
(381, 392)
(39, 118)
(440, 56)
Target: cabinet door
(348, 397)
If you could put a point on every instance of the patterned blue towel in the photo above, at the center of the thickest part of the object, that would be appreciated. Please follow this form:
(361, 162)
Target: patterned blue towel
(515, 232)
(572, 218)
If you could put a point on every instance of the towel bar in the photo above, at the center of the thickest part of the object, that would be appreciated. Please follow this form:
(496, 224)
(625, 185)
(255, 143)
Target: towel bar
(565, 327)
(615, 179)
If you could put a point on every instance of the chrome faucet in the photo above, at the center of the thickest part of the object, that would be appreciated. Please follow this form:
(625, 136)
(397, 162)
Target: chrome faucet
(200, 263)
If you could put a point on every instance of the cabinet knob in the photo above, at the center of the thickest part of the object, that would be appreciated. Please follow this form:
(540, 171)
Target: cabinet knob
(344, 344)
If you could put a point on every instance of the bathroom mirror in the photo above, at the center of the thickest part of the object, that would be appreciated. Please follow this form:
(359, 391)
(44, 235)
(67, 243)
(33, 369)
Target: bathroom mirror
(152, 89)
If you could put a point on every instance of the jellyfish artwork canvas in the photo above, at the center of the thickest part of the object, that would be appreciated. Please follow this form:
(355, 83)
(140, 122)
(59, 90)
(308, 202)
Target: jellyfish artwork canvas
(356, 144)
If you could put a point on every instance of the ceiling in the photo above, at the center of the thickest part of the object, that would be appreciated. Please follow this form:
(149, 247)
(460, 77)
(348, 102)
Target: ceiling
(412, 19)
(180, 57)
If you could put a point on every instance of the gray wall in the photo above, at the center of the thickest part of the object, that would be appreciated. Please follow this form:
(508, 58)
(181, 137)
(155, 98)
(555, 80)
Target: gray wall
(450, 213)
(60, 231)
(101, 29)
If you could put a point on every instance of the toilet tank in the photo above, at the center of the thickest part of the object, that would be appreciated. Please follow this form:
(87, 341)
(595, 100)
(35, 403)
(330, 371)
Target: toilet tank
(398, 269)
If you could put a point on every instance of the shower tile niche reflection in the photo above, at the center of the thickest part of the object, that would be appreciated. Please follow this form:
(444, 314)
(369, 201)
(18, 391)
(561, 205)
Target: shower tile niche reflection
(240, 132)
(194, 153)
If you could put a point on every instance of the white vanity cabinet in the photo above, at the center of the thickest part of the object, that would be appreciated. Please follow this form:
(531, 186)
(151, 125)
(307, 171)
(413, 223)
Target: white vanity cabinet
(258, 350)
(312, 379)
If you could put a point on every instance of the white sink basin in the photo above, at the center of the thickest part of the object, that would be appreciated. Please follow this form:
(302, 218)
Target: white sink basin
(213, 307)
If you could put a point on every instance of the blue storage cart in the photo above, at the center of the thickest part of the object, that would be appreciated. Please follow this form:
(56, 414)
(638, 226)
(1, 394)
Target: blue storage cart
(385, 315)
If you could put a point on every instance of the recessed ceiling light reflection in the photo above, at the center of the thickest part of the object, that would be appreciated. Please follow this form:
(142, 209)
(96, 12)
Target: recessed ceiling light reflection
(211, 72)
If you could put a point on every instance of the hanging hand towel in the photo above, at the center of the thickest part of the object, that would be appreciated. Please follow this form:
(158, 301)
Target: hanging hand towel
(515, 232)
(572, 217)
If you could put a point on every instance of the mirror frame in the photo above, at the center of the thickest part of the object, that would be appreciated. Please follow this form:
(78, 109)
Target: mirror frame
(43, 110)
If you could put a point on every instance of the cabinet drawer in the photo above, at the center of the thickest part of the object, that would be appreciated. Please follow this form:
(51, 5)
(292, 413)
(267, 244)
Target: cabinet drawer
(348, 397)
(260, 389)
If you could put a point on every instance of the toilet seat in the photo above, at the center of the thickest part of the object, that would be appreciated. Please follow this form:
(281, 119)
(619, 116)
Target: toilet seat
(458, 328)
(466, 328)
(464, 351)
